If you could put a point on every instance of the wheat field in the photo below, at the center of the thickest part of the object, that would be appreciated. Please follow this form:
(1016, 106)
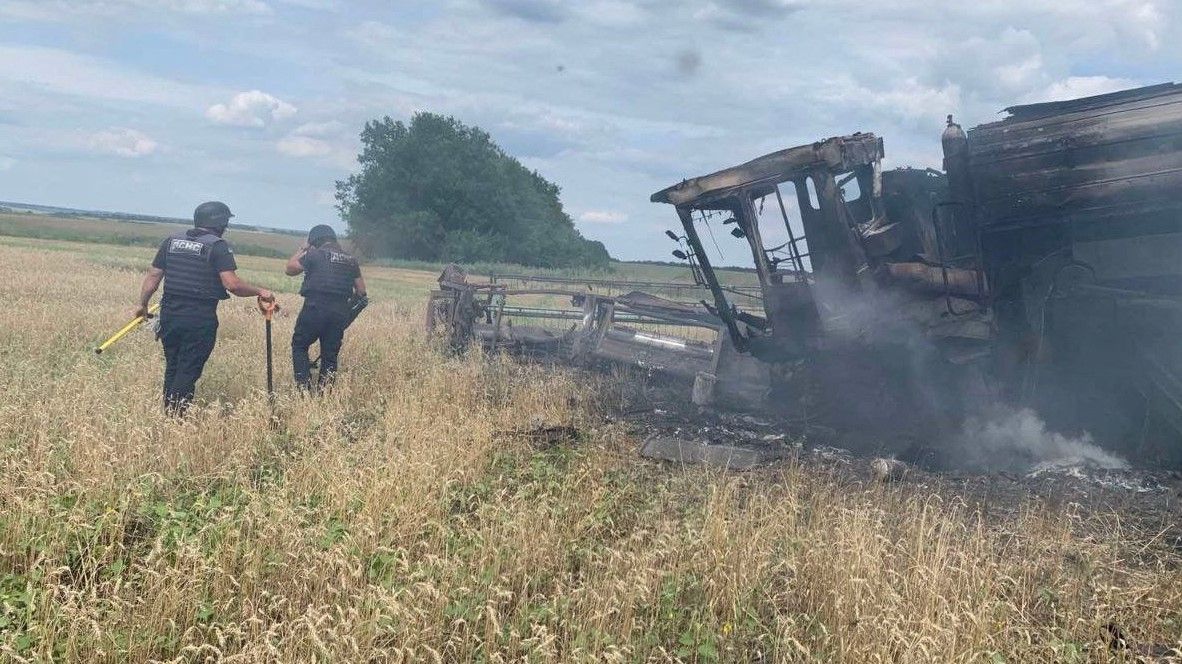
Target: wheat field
(405, 517)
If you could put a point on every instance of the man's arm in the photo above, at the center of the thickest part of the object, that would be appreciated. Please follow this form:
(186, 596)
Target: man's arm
(294, 266)
(147, 289)
(233, 283)
(359, 287)
(222, 259)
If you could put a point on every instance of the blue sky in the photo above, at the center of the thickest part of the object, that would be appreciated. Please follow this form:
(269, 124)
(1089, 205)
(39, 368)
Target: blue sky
(153, 106)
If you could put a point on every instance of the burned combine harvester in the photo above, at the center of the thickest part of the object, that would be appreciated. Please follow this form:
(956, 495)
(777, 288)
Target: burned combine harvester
(1042, 268)
(595, 321)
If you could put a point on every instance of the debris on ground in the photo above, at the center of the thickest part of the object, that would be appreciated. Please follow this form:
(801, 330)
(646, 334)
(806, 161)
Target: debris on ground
(887, 470)
(670, 431)
(726, 457)
(542, 436)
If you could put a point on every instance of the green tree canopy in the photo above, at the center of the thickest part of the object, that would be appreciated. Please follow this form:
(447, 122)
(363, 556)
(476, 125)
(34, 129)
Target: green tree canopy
(436, 189)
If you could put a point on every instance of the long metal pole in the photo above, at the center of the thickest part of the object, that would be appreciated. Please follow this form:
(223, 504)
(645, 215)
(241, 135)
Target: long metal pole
(270, 364)
(126, 329)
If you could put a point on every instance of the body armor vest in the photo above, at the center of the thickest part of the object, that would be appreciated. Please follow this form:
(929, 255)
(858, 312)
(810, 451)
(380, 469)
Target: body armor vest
(188, 272)
(332, 277)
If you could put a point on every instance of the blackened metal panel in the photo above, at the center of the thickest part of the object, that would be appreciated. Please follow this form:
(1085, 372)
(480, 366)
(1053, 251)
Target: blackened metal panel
(1106, 152)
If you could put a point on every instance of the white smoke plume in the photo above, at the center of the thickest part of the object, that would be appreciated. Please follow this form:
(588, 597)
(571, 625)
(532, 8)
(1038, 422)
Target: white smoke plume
(1017, 440)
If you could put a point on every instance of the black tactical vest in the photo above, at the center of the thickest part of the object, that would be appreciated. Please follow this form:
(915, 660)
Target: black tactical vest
(332, 277)
(188, 272)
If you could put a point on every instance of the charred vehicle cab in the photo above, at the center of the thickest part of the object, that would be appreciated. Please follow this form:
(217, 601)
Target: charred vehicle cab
(1042, 269)
(865, 299)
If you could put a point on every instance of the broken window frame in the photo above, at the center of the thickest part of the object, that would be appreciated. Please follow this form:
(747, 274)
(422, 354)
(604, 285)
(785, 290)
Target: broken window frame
(834, 246)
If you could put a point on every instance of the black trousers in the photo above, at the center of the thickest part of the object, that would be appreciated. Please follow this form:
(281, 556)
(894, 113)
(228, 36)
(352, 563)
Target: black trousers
(324, 322)
(187, 346)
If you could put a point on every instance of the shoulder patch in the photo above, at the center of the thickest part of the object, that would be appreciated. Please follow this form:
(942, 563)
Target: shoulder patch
(184, 247)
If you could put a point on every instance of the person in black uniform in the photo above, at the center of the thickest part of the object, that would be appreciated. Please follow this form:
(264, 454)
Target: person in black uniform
(331, 278)
(198, 270)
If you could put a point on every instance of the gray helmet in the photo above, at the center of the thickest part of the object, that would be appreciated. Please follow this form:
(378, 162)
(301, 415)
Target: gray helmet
(212, 214)
(320, 234)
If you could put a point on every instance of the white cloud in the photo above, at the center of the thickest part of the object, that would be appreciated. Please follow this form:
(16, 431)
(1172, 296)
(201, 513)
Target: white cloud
(611, 13)
(907, 101)
(123, 142)
(542, 11)
(321, 5)
(61, 10)
(991, 64)
(603, 217)
(303, 146)
(326, 197)
(1143, 20)
(253, 108)
(330, 128)
(331, 142)
(6, 163)
(63, 72)
(1074, 87)
(200, 6)
(744, 15)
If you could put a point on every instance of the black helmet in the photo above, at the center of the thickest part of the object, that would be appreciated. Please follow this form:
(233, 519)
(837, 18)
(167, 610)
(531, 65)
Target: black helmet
(212, 214)
(320, 234)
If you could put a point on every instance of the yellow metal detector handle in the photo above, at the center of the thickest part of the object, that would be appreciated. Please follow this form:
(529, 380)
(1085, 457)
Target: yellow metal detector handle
(135, 322)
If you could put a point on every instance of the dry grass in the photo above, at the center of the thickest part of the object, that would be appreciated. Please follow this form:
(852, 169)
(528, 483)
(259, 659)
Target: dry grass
(399, 519)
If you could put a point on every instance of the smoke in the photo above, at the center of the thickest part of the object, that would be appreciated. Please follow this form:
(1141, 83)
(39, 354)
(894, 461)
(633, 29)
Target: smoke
(1017, 440)
(911, 392)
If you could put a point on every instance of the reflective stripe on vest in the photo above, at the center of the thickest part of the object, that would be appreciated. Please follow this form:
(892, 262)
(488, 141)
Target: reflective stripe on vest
(333, 277)
(188, 272)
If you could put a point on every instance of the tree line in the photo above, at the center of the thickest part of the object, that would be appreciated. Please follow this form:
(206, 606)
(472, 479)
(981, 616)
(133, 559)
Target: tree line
(436, 189)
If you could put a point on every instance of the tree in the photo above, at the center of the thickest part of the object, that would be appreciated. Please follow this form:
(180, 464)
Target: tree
(436, 189)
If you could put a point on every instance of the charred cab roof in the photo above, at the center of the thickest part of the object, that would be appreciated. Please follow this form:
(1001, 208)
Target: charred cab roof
(837, 155)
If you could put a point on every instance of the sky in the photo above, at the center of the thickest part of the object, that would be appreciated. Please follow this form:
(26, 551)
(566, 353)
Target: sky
(152, 106)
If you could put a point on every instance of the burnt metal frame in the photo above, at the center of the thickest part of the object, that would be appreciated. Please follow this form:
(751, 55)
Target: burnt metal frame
(724, 309)
(602, 330)
(607, 284)
(826, 228)
(793, 250)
